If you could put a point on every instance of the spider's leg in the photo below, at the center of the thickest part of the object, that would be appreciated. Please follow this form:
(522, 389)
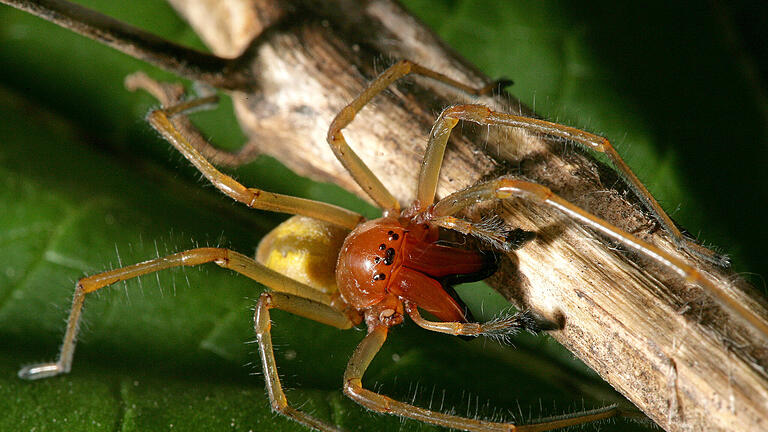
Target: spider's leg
(353, 387)
(351, 161)
(505, 187)
(494, 232)
(170, 94)
(299, 306)
(160, 119)
(139, 44)
(433, 160)
(223, 257)
(501, 328)
(484, 116)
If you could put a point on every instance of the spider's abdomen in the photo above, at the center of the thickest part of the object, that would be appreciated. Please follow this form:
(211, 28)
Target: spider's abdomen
(382, 258)
(304, 249)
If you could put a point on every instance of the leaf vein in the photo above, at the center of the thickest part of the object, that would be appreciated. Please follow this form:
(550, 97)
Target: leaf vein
(57, 232)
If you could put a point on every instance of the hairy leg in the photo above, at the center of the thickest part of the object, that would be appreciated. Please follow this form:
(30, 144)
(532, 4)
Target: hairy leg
(223, 257)
(367, 350)
(170, 94)
(161, 120)
(351, 161)
(506, 187)
(298, 306)
(448, 119)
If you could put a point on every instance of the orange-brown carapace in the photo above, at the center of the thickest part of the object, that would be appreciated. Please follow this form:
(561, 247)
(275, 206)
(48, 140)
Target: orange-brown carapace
(401, 258)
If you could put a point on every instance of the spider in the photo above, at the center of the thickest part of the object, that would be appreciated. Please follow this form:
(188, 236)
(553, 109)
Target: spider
(492, 234)
(386, 268)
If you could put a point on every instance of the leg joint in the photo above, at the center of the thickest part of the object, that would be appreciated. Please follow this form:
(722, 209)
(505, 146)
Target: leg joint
(508, 187)
(266, 299)
(261, 319)
(402, 67)
(352, 387)
(468, 112)
(335, 137)
(280, 405)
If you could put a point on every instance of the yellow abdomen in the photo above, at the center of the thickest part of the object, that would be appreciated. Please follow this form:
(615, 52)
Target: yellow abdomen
(304, 249)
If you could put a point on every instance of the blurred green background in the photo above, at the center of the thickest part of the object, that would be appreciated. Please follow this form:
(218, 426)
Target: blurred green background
(85, 185)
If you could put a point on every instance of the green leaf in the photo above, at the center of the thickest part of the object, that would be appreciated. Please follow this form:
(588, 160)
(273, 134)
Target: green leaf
(86, 186)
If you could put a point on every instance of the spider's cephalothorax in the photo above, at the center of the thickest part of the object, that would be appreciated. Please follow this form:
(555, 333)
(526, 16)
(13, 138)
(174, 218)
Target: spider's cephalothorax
(398, 258)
